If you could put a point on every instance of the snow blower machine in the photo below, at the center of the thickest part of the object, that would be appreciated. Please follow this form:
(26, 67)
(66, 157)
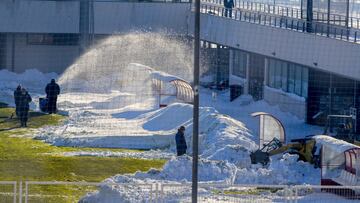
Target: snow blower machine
(272, 141)
(43, 104)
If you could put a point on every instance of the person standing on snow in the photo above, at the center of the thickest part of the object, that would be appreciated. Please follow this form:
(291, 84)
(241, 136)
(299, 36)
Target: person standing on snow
(17, 93)
(52, 91)
(180, 141)
(23, 106)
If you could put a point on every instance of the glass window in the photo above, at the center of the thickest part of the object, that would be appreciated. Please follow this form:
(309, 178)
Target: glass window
(239, 63)
(291, 80)
(305, 80)
(298, 80)
(271, 73)
(284, 77)
(278, 74)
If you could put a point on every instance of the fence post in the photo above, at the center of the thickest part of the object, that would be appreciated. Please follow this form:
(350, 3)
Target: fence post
(15, 191)
(26, 192)
(355, 36)
(20, 192)
(156, 192)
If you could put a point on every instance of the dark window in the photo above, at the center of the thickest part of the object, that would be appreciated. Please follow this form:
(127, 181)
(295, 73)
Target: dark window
(291, 81)
(271, 73)
(288, 77)
(278, 77)
(239, 63)
(284, 77)
(53, 39)
(305, 81)
(298, 82)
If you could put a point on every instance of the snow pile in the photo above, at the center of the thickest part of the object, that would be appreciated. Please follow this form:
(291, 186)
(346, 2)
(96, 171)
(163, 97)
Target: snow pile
(236, 154)
(179, 169)
(242, 108)
(216, 130)
(336, 146)
(284, 171)
(171, 117)
(33, 80)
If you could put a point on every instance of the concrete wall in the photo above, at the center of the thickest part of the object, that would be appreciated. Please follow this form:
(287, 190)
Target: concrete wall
(21, 17)
(39, 16)
(287, 102)
(117, 17)
(331, 55)
(42, 57)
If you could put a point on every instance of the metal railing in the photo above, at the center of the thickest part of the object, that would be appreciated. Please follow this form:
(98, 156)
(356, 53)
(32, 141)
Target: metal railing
(292, 12)
(299, 25)
(164, 192)
(144, 192)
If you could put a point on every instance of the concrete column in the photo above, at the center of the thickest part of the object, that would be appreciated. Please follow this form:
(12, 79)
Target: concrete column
(231, 62)
(247, 82)
(86, 24)
(13, 52)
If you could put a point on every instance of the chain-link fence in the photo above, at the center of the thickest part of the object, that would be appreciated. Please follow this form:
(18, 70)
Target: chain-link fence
(88, 192)
(8, 191)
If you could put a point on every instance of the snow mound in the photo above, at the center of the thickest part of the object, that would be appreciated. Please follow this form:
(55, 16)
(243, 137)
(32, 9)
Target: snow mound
(216, 130)
(235, 154)
(283, 169)
(173, 116)
(33, 80)
(336, 145)
(179, 169)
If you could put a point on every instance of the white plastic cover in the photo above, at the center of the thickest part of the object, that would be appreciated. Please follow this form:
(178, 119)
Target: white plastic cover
(270, 128)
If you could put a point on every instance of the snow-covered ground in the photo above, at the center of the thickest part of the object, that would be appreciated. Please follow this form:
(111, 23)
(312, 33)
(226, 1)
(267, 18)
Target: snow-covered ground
(121, 119)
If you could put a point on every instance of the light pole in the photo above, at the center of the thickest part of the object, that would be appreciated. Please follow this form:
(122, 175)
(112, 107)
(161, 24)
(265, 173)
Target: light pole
(196, 102)
(328, 18)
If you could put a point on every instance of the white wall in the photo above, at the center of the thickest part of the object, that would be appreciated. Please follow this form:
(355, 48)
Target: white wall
(332, 55)
(111, 17)
(39, 16)
(42, 57)
(287, 102)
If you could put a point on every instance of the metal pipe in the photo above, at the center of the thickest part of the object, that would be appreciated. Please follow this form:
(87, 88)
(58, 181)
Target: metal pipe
(328, 20)
(196, 103)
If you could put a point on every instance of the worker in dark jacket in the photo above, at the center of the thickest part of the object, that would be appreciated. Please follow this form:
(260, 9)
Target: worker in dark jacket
(228, 4)
(17, 93)
(23, 107)
(52, 91)
(180, 141)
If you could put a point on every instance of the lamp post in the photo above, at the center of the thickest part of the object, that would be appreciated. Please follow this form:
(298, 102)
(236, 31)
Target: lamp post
(196, 102)
(328, 19)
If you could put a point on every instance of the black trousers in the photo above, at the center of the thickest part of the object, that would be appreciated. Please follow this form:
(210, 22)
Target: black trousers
(23, 117)
(228, 12)
(52, 104)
